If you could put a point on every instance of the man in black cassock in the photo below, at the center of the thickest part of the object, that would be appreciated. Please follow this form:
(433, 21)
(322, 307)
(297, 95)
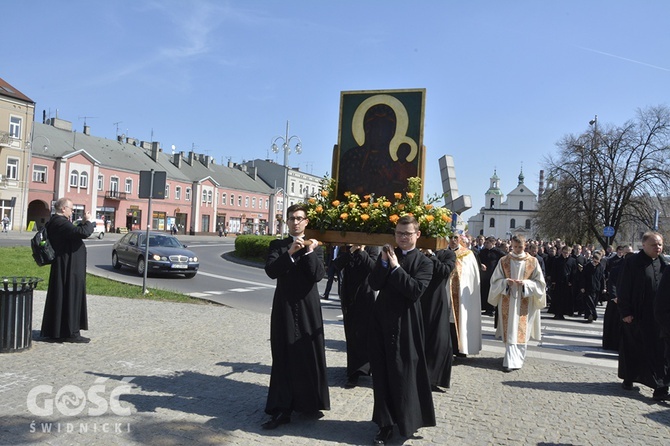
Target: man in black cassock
(400, 381)
(436, 309)
(662, 313)
(564, 277)
(298, 379)
(65, 308)
(356, 299)
(488, 257)
(641, 356)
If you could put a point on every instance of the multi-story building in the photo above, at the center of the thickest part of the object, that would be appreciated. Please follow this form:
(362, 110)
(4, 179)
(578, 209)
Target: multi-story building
(502, 218)
(17, 113)
(103, 176)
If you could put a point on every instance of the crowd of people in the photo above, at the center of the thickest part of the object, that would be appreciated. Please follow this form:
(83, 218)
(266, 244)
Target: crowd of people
(410, 313)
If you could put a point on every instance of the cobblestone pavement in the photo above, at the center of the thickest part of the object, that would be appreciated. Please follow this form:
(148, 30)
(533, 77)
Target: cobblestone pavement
(200, 375)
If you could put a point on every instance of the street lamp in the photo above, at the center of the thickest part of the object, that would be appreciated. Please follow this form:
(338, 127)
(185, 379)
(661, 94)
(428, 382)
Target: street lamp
(286, 146)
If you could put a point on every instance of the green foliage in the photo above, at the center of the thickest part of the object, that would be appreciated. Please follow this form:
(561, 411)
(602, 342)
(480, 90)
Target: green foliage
(23, 265)
(253, 246)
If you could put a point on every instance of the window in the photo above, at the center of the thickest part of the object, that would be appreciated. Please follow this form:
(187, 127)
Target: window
(204, 196)
(210, 196)
(492, 203)
(188, 194)
(129, 185)
(492, 223)
(12, 168)
(101, 182)
(15, 127)
(177, 192)
(528, 223)
(232, 199)
(521, 205)
(239, 201)
(83, 180)
(114, 184)
(512, 223)
(40, 174)
(246, 202)
(74, 178)
(292, 187)
(267, 203)
(167, 191)
(223, 198)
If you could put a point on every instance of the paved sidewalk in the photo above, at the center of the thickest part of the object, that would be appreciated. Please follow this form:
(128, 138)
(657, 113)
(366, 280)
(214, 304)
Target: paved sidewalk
(200, 375)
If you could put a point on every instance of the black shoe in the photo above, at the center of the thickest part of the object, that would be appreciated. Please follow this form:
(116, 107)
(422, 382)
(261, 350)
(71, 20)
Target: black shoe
(77, 340)
(627, 385)
(276, 421)
(351, 382)
(559, 317)
(436, 389)
(383, 435)
(590, 319)
(661, 394)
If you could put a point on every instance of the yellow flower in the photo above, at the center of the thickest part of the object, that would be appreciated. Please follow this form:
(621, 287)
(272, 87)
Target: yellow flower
(394, 218)
(324, 193)
(347, 194)
(367, 197)
(445, 218)
(410, 194)
(387, 204)
(319, 209)
(336, 203)
(365, 205)
(344, 216)
(365, 217)
(429, 207)
(352, 204)
(401, 206)
(429, 218)
(312, 200)
(375, 204)
(397, 195)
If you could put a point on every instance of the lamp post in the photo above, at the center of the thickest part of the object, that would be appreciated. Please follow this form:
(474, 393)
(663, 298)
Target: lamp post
(286, 146)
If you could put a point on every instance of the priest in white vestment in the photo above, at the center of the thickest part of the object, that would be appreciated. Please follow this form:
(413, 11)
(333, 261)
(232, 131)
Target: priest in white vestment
(518, 290)
(466, 306)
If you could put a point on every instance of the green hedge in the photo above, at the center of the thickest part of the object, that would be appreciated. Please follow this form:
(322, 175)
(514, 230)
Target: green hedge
(253, 246)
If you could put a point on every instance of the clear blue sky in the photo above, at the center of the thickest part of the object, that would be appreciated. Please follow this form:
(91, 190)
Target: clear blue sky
(505, 80)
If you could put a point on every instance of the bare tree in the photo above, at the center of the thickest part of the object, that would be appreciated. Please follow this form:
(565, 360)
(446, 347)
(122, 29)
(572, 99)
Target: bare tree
(607, 177)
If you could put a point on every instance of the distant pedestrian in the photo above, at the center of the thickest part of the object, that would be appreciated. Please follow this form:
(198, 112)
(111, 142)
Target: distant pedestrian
(5, 223)
(65, 312)
(593, 285)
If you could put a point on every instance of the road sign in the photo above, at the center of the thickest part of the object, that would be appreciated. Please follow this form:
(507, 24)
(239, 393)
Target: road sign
(608, 231)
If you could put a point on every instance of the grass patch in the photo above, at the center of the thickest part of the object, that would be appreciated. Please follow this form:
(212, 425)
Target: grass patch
(19, 262)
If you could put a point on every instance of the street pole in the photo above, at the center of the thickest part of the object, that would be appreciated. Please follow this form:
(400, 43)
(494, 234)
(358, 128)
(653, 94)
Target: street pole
(287, 150)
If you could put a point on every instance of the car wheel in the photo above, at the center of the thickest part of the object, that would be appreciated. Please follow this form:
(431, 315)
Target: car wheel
(189, 275)
(141, 264)
(101, 235)
(115, 261)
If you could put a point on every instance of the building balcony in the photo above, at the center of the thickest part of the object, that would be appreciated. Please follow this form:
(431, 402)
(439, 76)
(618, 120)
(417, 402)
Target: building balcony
(4, 139)
(115, 195)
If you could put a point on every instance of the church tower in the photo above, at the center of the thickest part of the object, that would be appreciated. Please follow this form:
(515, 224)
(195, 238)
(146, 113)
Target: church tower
(494, 195)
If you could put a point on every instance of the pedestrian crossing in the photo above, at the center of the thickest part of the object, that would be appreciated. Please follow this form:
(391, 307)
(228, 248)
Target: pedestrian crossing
(571, 340)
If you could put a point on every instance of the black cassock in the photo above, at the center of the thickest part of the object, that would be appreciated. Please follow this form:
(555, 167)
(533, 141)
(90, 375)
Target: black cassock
(641, 349)
(400, 381)
(298, 379)
(65, 308)
(436, 308)
(357, 299)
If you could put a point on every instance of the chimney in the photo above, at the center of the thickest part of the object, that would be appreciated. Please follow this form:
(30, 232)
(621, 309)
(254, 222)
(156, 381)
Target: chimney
(146, 145)
(87, 130)
(132, 141)
(252, 172)
(119, 138)
(231, 164)
(176, 159)
(154, 150)
(191, 156)
(540, 190)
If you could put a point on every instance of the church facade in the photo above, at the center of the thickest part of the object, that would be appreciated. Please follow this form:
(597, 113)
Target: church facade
(503, 218)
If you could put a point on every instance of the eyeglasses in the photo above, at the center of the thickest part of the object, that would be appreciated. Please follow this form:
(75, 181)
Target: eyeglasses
(297, 219)
(404, 234)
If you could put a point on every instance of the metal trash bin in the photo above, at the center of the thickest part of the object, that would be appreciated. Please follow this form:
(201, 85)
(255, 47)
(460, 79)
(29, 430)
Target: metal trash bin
(16, 313)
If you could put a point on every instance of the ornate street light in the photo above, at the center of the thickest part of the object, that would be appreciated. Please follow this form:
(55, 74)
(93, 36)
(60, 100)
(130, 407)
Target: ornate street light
(286, 147)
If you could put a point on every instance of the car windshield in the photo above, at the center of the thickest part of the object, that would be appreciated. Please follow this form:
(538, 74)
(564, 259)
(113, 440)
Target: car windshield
(163, 240)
